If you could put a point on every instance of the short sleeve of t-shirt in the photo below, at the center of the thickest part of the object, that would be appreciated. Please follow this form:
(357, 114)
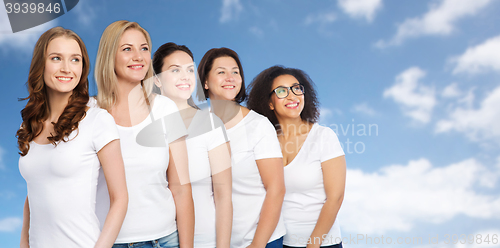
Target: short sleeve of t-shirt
(267, 145)
(104, 130)
(330, 145)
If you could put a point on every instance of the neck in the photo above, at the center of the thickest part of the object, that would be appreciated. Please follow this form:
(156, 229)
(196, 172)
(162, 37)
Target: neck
(57, 103)
(126, 91)
(182, 104)
(293, 126)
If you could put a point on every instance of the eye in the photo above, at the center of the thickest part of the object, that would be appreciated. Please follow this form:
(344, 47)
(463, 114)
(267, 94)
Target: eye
(190, 70)
(75, 60)
(145, 48)
(220, 72)
(236, 72)
(126, 49)
(56, 58)
(280, 91)
(175, 70)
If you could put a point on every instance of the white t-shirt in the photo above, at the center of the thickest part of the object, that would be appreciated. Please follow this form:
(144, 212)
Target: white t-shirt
(253, 138)
(62, 183)
(151, 208)
(305, 192)
(205, 133)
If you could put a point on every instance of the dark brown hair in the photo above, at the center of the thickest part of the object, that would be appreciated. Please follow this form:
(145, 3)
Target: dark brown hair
(206, 65)
(164, 51)
(261, 88)
(37, 110)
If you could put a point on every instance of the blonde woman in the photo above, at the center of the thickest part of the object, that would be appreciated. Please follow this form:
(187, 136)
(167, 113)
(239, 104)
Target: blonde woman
(63, 143)
(208, 147)
(160, 211)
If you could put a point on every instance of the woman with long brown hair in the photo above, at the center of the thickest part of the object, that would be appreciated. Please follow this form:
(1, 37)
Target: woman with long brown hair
(160, 212)
(63, 144)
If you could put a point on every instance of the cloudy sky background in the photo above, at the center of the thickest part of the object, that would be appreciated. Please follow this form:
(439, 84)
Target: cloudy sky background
(412, 89)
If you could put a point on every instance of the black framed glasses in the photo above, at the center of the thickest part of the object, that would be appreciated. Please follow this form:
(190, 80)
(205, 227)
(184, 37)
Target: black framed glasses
(282, 92)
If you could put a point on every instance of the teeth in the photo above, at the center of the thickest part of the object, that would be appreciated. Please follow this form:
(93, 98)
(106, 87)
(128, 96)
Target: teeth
(292, 105)
(136, 66)
(228, 87)
(183, 86)
(64, 78)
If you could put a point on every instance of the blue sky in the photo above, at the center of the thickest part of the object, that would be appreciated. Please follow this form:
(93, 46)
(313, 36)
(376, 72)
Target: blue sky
(424, 75)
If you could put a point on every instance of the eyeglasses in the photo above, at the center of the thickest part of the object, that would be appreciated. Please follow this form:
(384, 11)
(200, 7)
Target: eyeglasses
(282, 92)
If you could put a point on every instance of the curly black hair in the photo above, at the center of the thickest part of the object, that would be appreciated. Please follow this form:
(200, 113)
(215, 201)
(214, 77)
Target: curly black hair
(261, 87)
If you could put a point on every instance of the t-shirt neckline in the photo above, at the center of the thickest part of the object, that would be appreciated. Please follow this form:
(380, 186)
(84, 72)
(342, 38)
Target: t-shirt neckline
(303, 144)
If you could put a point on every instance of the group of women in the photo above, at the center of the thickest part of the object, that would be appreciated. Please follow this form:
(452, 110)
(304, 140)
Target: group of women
(142, 165)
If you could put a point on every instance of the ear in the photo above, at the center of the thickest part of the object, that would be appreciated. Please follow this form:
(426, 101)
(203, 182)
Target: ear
(206, 85)
(271, 106)
(157, 82)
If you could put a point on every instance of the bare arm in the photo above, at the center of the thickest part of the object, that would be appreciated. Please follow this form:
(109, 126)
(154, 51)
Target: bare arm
(26, 225)
(112, 165)
(334, 174)
(180, 186)
(271, 172)
(220, 163)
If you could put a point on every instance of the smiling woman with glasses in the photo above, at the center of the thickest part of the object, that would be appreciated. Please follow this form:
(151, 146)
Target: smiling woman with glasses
(314, 161)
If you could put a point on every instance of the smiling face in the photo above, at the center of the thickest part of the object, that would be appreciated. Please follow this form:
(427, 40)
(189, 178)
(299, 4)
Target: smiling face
(132, 57)
(224, 79)
(290, 106)
(177, 79)
(63, 65)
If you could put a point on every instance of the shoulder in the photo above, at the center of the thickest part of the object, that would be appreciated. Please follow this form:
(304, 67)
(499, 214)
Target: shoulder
(324, 131)
(100, 115)
(260, 123)
(163, 104)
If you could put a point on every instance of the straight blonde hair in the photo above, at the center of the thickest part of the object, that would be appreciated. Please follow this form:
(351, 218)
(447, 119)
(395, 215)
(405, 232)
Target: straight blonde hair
(104, 71)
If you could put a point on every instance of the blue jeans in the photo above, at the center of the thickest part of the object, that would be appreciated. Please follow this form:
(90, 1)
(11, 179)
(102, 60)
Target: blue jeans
(169, 241)
(276, 243)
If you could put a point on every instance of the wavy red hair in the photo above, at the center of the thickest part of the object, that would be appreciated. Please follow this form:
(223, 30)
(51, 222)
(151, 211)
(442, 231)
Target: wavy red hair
(37, 110)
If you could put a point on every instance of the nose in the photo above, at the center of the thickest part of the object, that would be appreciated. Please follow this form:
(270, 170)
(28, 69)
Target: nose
(65, 66)
(230, 77)
(137, 56)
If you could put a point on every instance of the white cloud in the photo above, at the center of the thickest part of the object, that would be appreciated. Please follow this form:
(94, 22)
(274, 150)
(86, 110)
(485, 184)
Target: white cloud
(361, 8)
(451, 91)
(21, 41)
(258, 32)
(481, 58)
(439, 20)
(321, 18)
(416, 100)
(478, 124)
(397, 197)
(230, 10)
(364, 108)
(10, 224)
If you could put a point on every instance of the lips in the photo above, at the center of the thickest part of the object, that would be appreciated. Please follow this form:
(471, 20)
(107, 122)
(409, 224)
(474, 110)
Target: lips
(64, 79)
(136, 67)
(292, 105)
(183, 86)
